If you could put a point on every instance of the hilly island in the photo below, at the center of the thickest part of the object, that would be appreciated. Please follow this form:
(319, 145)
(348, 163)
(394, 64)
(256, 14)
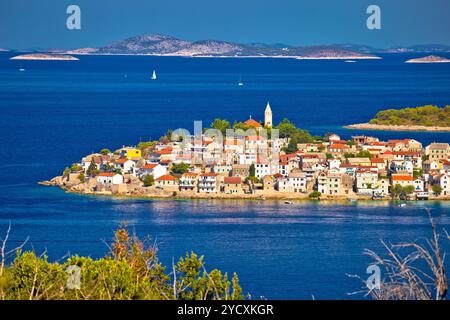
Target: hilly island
(164, 45)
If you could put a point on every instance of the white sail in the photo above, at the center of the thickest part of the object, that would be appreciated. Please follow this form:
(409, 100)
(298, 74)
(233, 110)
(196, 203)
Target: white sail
(154, 75)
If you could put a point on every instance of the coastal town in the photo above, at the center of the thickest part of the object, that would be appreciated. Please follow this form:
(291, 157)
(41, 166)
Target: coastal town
(260, 166)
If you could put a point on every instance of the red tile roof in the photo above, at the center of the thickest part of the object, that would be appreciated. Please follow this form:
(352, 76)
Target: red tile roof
(232, 180)
(252, 123)
(150, 166)
(402, 177)
(209, 174)
(338, 146)
(121, 161)
(107, 174)
(166, 177)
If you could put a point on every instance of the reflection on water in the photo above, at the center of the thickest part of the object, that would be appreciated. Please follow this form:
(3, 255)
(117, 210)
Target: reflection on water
(278, 250)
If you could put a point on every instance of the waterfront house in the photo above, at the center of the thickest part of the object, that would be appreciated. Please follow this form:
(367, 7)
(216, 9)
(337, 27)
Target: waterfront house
(443, 180)
(366, 181)
(297, 181)
(188, 181)
(167, 182)
(268, 183)
(109, 178)
(208, 183)
(232, 185)
(282, 184)
(403, 180)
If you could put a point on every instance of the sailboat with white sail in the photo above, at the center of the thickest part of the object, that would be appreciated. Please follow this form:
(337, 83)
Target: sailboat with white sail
(154, 75)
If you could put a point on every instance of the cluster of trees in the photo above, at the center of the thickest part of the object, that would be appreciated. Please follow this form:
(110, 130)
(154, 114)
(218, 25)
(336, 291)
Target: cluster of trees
(130, 271)
(286, 130)
(397, 190)
(428, 115)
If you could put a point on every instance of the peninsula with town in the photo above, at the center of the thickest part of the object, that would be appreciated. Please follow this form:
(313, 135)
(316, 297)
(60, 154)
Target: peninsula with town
(286, 164)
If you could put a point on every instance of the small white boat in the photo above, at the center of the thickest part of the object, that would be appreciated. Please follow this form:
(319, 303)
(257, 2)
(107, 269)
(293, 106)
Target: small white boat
(287, 202)
(401, 205)
(21, 68)
(350, 61)
(240, 83)
(352, 199)
(154, 75)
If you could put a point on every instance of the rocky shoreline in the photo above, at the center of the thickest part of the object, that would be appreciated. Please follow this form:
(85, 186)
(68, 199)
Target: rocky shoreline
(154, 193)
(369, 126)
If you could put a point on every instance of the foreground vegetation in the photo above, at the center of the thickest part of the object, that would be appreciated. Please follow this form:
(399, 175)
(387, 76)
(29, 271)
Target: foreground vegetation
(411, 270)
(130, 271)
(429, 116)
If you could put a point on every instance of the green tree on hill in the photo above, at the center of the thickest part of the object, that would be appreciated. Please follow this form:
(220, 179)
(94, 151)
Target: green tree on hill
(180, 168)
(148, 180)
(221, 124)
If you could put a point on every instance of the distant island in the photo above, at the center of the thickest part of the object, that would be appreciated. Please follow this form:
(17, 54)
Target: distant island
(41, 56)
(164, 45)
(424, 118)
(429, 59)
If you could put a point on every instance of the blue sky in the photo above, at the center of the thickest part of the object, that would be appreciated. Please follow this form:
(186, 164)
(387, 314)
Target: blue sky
(42, 23)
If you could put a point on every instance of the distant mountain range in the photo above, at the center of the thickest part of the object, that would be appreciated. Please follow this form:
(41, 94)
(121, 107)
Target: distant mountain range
(158, 44)
(167, 45)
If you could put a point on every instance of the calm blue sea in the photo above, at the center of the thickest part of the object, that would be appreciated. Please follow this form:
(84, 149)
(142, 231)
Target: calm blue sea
(55, 112)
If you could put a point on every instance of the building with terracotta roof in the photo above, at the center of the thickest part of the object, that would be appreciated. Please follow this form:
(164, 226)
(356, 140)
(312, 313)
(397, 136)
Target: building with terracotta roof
(252, 123)
(154, 169)
(402, 179)
(232, 185)
(109, 178)
(167, 182)
(188, 181)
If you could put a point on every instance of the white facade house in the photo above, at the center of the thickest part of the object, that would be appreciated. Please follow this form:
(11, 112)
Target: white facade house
(297, 181)
(109, 178)
(444, 182)
(366, 182)
(125, 165)
(207, 183)
(154, 169)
